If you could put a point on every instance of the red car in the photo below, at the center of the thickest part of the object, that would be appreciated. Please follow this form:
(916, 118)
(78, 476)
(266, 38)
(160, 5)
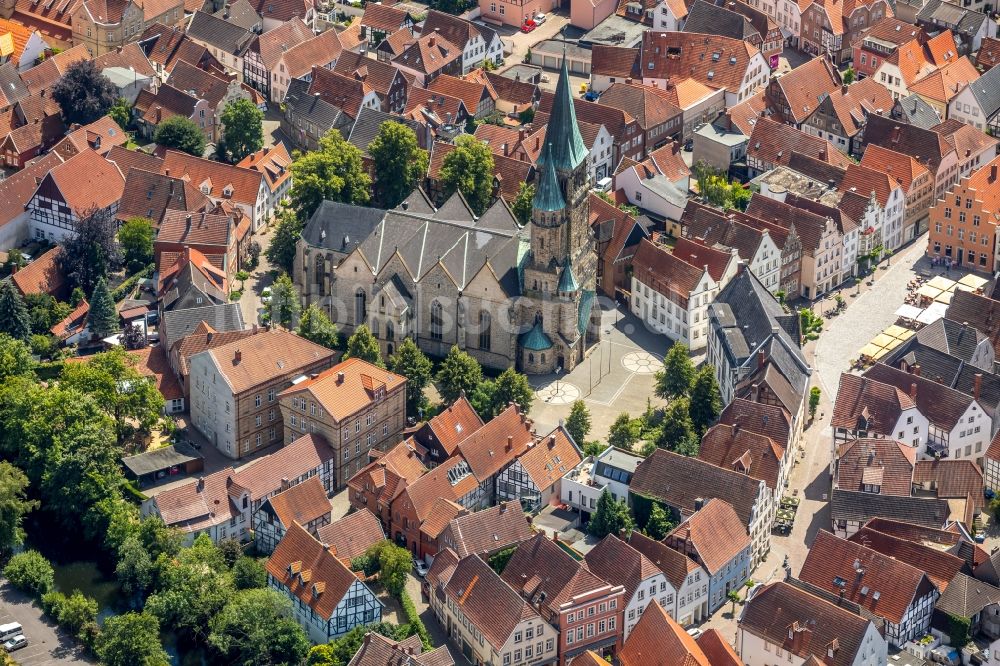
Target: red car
(528, 26)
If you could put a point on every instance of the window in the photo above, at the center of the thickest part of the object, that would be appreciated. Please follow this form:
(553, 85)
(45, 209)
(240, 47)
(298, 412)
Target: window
(256, 400)
(485, 330)
(437, 321)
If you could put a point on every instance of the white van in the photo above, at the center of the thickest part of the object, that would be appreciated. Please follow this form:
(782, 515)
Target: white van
(604, 184)
(10, 630)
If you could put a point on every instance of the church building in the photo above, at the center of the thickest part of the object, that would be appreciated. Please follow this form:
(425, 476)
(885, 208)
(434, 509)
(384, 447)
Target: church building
(510, 296)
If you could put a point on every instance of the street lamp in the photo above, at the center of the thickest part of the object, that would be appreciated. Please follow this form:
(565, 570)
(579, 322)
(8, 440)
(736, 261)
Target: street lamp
(555, 391)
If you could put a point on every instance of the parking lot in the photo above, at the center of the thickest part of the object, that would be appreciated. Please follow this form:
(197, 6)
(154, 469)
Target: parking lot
(47, 644)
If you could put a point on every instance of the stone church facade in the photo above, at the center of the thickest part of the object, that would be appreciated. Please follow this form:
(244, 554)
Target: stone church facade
(509, 296)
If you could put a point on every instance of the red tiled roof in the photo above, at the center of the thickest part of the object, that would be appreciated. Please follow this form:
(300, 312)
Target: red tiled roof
(152, 362)
(716, 649)
(469, 91)
(453, 424)
(302, 503)
(245, 183)
(42, 276)
(884, 463)
(484, 532)
(939, 566)
(492, 447)
(352, 535)
(804, 86)
(657, 640)
(750, 453)
(681, 55)
(664, 271)
(773, 142)
(700, 255)
(674, 565)
(618, 563)
(716, 533)
(88, 181)
(347, 387)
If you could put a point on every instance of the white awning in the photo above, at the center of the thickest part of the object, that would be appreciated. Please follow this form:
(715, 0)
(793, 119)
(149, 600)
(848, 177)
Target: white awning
(908, 311)
(933, 313)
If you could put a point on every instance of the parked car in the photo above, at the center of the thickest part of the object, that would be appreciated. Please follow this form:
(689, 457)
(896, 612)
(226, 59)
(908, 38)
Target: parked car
(420, 566)
(689, 145)
(15, 643)
(265, 296)
(540, 18)
(528, 26)
(695, 632)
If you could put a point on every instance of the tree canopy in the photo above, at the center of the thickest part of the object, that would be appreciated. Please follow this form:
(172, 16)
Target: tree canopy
(284, 305)
(242, 129)
(469, 169)
(413, 364)
(14, 505)
(315, 326)
(522, 204)
(624, 432)
(182, 134)
(83, 93)
(706, 400)
(458, 373)
(15, 357)
(136, 238)
(610, 517)
(121, 113)
(93, 251)
(362, 344)
(578, 422)
(677, 431)
(399, 162)
(281, 251)
(132, 639)
(334, 172)
(103, 316)
(678, 372)
(256, 627)
(14, 320)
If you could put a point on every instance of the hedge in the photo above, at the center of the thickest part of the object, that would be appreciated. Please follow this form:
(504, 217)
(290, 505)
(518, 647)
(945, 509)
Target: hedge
(49, 371)
(124, 290)
(413, 617)
(133, 493)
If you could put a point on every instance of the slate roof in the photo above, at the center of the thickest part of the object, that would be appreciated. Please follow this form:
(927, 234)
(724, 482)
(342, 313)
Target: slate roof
(484, 532)
(177, 324)
(312, 109)
(216, 31)
(352, 535)
(966, 21)
(915, 111)
(706, 18)
(941, 567)
(861, 507)
(986, 90)
(778, 608)
(678, 481)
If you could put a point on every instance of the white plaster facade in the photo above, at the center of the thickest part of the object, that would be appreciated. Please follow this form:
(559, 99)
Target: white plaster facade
(755, 650)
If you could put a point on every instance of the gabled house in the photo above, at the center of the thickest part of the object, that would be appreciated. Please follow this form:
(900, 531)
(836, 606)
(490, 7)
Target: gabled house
(754, 454)
(534, 478)
(347, 93)
(880, 41)
(305, 504)
(841, 116)
(969, 25)
(476, 42)
(213, 236)
(391, 86)
(298, 61)
(226, 41)
(238, 186)
(618, 235)
(23, 47)
(829, 28)
(430, 56)
(378, 650)
(913, 177)
(83, 185)
(978, 102)
(216, 91)
(441, 435)
(486, 532)
(261, 61)
(328, 600)
(793, 97)
(773, 144)
(307, 118)
(352, 535)
(380, 21)
(165, 46)
(659, 120)
(479, 97)
(687, 588)
(380, 481)
(191, 280)
(659, 640)
(274, 165)
(618, 563)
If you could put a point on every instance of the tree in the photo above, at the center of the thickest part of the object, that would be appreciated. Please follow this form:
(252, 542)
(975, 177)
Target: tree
(182, 134)
(459, 373)
(133, 337)
(14, 505)
(334, 173)
(677, 431)
(959, 633)
(512, 387)
(284, 303)
(498, 560)
(256, 627)
(122, 393)
(706, 400)
(242, 129)
(15, 358)
(93, 251)
(678, 373)
(249, 574)
(316, 327)
(734, 597)
(281, 251)
(522, 204)
(15, 259)
(103, 319)
(399, 162)
(134, 569)
(610, 517)
(624, 432)
(83, 93)
(814, 394)
(45, 312)
(157, 538)
(14, 319)
(362, 344)
(132, 639)
(781, 295)
(413, 364)
(849, 76)
(469, 169)
(30, 572)
(394, 564)
(136, 239)
(242, 276)
(76, 610)
(121, 113)
(340, 651)
(716, 189)
(658, 524)
(231, 550)
(578, 422)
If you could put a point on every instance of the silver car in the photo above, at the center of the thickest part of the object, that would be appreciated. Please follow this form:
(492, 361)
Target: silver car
(15, 643)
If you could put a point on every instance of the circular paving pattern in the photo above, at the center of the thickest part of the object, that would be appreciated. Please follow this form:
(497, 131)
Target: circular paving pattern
(641, 363)
(559, 393)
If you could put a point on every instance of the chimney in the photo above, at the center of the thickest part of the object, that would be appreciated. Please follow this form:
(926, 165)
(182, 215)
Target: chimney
(504, 150)
(843, 89)
(538, 142)
(340, 377)
(503, 508)
(913, 390)
(430, 42)
(552, 441)
(510, 443)
(993, 173)
(520, 135)
(166, 172)
(822, 154)
(201, 484)
(237, 357)
(977, 385)
(761, 359)
(699, 503)
(285, 484)
(209, 336)
(916, 369)
(187, 224)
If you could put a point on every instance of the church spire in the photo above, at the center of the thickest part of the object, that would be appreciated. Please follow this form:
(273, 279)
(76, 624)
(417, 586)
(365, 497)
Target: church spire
(548, 197)
(563, 133)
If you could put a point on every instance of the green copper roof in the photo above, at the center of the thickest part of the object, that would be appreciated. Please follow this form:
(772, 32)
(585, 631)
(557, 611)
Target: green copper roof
(567, 281)
(548, 196)
(536, 339)
(586, 305)
(563, 131)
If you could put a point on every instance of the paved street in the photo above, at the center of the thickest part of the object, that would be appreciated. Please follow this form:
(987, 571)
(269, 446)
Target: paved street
(47, 643)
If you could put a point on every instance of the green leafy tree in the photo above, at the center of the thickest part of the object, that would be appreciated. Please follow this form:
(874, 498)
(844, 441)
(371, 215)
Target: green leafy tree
(14, 505)
(121, 113)
(249, 574)
(459, 373)
(256, 627)
(124, 394)
(340, 651)
(284, 303)
(399, 162)
(498, 561)
(15, 259)
(362, 344)
(522, 204)
(134, 569)
(30, 572)
(45, 312)
(624, 432)
(83, 93)
(706, 400)
(242, 276)
(242, 129)
(316, 327)
(849, 76)
(610, 517)
(677, 431)
(512, 387)
(658, 525)
(14, 319)
(814, 394)
(734, 597)
(394, 564)
(76, 610)
(132, 639)
(157, 538)
(93, 251)
(578, 422)
(469, 169)
(716, 189)
(959, 631)
(678, 373)
(281, 251)
(231, 550)
(15, 358)
(413, 364)
(334, 173)
(103, 318)
(136, 238)
(181, 134)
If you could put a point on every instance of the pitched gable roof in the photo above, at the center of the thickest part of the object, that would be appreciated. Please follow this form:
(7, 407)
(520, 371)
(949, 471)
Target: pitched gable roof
(618, 563)
(743, 451)
(352, 535)
(483, 532)
(805, 86)
(940, 567)
(302, 503)
(657, 640)
(347, 387)
(715, 532)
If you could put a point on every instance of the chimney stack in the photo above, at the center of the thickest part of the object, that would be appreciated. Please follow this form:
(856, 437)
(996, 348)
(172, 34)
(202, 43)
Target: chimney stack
(913, 390)
(238, 357)
(977, 385)
(430, 42)
(510, 442)
(340, 377)
(285, 484)
(761, 359)
(916, 369)
(993, 173)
